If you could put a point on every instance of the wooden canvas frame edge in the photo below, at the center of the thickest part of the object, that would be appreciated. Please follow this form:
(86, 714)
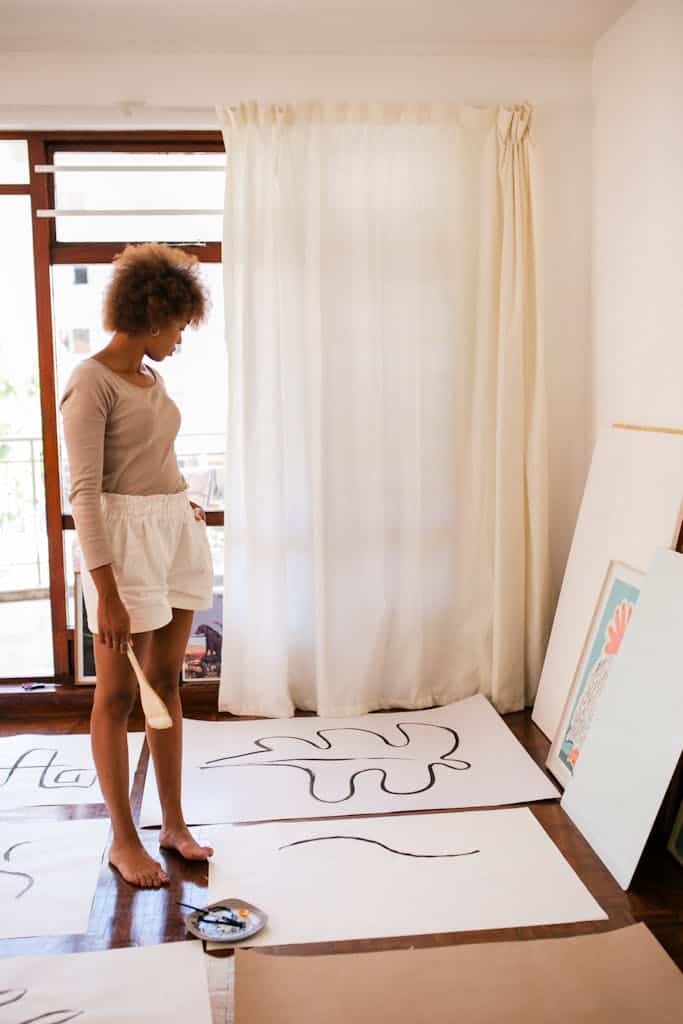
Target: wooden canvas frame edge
(553, 762)
(675, 831)
(79, 678)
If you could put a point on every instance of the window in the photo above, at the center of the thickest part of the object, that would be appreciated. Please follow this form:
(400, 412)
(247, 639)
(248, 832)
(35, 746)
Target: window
(14, 162)
(146, 186)
(131, 184)
(25, 615)
(195, 376)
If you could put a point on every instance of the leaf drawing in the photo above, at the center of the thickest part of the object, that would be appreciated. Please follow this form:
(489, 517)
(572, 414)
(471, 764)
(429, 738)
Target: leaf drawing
(319, 759)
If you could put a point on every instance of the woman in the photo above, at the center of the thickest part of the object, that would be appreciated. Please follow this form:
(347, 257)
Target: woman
(145, 555)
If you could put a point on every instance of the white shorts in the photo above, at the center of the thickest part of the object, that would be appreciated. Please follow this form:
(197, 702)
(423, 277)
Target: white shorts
(161, 558)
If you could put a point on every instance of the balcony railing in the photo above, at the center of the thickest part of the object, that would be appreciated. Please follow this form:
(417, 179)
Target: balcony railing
(23, 532)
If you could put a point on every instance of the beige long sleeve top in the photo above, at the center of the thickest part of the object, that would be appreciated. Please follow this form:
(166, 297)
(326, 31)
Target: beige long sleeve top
(119, 440)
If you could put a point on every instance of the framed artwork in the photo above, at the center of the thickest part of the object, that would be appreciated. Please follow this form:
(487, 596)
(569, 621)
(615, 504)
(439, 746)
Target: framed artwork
(675, 844)
(611, 617)
(84, 654)
(632, 506)
(202, 660)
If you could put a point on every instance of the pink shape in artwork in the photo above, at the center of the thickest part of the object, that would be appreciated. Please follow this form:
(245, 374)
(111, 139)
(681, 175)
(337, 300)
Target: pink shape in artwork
(617, 627)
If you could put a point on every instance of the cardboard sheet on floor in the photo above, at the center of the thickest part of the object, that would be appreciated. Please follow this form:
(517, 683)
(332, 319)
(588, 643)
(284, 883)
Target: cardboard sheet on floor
(461, 755)
(622, 976)
(636, 736)
(38, 770)
(48, 875)
(155, 984)
(322, 881)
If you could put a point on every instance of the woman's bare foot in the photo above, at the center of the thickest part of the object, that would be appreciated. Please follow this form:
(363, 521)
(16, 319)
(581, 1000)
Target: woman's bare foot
(183, 842)
(136, 866)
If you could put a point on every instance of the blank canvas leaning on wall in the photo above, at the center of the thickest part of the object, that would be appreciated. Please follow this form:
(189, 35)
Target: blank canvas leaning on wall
(632, 505)
(636, 736)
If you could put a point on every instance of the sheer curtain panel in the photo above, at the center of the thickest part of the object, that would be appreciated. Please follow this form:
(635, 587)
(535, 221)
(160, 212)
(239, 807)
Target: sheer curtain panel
(386, 496)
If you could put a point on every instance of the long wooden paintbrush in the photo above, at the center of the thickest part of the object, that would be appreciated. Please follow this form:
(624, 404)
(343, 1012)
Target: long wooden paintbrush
(153, 706)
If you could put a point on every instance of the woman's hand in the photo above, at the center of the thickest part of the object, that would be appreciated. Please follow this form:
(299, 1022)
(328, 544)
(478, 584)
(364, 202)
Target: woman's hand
(199, 512)
(113, 623)
(113, 620)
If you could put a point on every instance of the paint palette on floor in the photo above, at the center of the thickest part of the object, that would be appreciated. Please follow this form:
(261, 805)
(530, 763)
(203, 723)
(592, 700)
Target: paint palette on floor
(155, 984)
(39, 770)
(48, 875)
(325, 881)
(461, 755)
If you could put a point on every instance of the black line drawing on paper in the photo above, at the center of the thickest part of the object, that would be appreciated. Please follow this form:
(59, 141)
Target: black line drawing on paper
(425, 767)
(376, 842)
(51, 773)
(8, 996)
(29, 879)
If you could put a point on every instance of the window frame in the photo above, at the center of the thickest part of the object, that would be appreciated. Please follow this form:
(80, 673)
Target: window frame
(47, 251)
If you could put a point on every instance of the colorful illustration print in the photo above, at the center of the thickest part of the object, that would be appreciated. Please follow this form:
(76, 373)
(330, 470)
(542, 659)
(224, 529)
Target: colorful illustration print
(621, 598)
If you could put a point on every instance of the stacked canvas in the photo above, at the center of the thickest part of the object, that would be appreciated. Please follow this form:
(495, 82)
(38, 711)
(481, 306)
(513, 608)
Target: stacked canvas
(610, 696)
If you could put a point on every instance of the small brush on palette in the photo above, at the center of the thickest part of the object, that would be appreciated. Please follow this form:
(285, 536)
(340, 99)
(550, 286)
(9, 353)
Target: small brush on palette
(230, 920)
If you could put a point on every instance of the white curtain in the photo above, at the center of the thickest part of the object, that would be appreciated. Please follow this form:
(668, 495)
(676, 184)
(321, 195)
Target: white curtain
(386, 501)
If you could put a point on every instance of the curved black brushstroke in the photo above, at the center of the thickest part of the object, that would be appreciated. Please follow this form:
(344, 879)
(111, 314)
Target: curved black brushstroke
(375, 842)
(355, 775)
(8, 851)
(51, 1018)
(327, 744)
(323, 760)
(445, 761)
(30, 880)
(21, 992)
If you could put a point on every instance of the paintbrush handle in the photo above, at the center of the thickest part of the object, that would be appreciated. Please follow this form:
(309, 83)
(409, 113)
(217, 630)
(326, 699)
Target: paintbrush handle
(153, 706)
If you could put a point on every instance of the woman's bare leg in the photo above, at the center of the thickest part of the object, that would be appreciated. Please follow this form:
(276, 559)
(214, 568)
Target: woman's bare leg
(114, 698)
(162, 662)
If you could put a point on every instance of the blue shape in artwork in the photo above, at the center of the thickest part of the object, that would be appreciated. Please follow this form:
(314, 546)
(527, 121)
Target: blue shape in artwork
(595, 673)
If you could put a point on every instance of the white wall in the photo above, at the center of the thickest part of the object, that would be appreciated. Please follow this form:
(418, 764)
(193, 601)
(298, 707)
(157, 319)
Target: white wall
(560, 89)
(638, 218)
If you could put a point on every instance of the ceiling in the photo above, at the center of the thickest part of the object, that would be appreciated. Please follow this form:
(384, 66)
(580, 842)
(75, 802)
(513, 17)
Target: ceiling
(356, 27)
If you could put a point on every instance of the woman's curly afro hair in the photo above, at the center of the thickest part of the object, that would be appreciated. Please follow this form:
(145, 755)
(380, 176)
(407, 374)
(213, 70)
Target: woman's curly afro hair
(152, 285)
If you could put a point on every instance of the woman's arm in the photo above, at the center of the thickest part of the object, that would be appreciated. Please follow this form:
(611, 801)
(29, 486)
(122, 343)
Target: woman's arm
(113, 620)
(85, 407)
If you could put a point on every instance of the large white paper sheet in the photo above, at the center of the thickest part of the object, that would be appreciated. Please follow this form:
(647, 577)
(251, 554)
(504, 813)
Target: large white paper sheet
(461, 755)
(404, 875)
(38, 770)
(636, 736)
(48, 875)
(154, 984)
(632, 504)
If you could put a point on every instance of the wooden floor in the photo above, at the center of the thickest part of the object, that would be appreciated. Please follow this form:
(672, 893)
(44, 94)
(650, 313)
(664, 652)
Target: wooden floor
(123, 916)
